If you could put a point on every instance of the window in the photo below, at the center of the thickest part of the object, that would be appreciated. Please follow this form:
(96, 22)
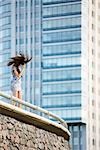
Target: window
(92, 89)
(61, 49)
(92, 26)
(64, 88)
(62, 23)
(61, 101)
(5, 21)
(92, 51)
(74, 35)
(61, 62)
(21, 41)
(93, 65)
(67, 114)
(93, 129)
(21, 29)
(6, 45)
(93, 141)
(93, 14)
(93, 1)
(93, 116)
(93, 103)
(21, 4)
(92, 77)
(6, 32)
(71, 74)
(6, 8)
(92, 38)
(21, 16)
(62, 10)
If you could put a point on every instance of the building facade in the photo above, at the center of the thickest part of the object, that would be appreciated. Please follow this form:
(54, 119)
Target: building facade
(62, 36)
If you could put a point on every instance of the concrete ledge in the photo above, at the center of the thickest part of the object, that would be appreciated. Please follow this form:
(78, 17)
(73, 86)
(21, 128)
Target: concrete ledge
(33, 119)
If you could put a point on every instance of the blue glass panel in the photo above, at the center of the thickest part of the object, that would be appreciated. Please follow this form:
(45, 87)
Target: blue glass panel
(70, 9)
(61, 62)
(61, 101)
(58, 88)
(5, 8)
(62, 36)
(62, 75)
(46, 2)
(73, 48)
(5, 20)
(62, 23)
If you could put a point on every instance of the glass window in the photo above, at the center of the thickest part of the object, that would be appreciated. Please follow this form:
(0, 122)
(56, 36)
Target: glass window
(5, 20)
(6, 32)
(61, 49)
(62, 36)
(5, 8)
(61, 62)
(21, 41)
(62, 23)
(21, 28)
(62, 10)
(5, 45)
(21, 16)
(61, 101)
(61, 75)
(21, 4)
(62, 88)
(67, 114)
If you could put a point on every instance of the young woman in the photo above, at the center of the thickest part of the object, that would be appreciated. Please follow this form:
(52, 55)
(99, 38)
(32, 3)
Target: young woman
(18, 66)
(17, 73)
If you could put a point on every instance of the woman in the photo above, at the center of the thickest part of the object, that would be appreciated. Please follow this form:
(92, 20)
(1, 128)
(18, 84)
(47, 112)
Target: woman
(16, 81)
(18, 66)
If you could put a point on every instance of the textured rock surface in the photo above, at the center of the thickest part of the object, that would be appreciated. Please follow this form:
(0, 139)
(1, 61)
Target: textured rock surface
(16, 135)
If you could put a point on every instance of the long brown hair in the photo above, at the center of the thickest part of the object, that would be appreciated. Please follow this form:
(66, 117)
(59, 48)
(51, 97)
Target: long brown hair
(18, 60)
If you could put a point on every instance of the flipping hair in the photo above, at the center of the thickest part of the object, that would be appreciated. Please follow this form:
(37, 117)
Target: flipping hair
(19, 60)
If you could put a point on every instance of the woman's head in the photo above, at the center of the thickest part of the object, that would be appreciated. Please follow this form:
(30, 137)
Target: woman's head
(19, 60)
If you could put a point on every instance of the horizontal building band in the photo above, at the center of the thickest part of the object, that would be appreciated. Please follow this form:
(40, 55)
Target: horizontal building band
(60, 15)
(67, 79)
(66, 27)
(67, 92)
(69, 40)
(53, 67)
(67, 53)
(45, 2)
(61, 106)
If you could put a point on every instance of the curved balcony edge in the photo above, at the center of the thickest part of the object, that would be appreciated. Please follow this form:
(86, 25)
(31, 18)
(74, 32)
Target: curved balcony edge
(34, 119)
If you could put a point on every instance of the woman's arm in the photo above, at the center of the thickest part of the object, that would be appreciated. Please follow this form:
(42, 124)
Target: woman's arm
(15, 72)
(21, 73)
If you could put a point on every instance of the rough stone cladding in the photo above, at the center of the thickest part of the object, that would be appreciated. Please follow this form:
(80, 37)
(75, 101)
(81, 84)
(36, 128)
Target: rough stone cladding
(16, 135)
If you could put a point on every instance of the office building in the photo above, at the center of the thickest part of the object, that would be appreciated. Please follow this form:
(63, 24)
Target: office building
(62, 36)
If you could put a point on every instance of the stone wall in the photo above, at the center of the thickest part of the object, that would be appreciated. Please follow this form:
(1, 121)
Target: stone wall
(16, 135)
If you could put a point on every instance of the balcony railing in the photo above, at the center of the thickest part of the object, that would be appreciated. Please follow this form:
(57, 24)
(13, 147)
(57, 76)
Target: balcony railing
(31, 108)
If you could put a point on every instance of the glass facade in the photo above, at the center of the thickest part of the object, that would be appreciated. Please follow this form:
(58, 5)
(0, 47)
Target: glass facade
(61, 58)
(28, 41)
(62, 10)
(5, 44)
(51, 32)
(77, 141)
(62, 64)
